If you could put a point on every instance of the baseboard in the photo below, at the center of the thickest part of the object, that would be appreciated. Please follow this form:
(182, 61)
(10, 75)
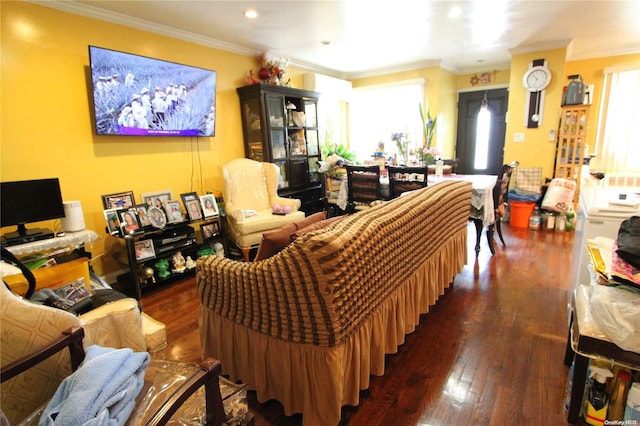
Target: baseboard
(112, 277)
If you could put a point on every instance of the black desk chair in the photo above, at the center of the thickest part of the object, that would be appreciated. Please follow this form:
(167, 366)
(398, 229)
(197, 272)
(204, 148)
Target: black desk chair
(403, 179)
(364, 187)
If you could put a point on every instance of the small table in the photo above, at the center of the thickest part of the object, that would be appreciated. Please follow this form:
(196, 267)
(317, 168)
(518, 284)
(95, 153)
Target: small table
(586, 342)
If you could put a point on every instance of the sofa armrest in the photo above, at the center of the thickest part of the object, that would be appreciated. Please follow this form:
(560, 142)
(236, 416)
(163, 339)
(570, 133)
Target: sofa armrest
(116, 324)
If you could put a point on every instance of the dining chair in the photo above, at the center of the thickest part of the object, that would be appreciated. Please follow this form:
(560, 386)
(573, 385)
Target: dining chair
(363, 184)
(403, 179)
(453, 163)
(332, 191)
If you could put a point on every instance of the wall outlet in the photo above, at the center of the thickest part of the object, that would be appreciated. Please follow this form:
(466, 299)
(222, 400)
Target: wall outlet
(552, 135)
(518, 137)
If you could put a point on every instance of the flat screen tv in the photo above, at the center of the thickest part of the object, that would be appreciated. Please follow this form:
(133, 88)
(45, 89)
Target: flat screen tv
(139, 96)
(29, 201)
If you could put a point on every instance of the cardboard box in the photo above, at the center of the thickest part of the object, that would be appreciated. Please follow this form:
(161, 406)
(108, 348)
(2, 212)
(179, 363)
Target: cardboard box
(52, 276)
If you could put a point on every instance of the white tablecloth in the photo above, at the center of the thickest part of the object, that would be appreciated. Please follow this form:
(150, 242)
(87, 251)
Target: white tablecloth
(70, 239)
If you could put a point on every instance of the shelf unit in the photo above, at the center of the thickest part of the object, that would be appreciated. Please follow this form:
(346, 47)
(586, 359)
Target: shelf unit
(571, 144)
(185, 237)
(280, 126)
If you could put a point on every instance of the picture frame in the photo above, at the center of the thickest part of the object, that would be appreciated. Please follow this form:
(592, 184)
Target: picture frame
(209, 205)
(157, 217)
(209, 230)
(143, 215)
(144, 249)
(129, 222)
(174, 211)
(112, 220)
(118, 200)
(156, 199)
(192, 205)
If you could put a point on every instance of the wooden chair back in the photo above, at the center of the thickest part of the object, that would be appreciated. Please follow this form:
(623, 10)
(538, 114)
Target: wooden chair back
(364, 184)
(403, 179)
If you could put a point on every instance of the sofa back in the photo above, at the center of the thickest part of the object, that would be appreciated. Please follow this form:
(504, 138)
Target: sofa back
(320, 288)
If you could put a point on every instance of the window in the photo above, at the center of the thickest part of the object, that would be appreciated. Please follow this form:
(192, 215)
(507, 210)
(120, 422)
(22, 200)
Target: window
(618, 138)
(378, 111)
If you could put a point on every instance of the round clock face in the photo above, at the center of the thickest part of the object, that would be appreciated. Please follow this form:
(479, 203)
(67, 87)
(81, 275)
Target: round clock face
(536, 78)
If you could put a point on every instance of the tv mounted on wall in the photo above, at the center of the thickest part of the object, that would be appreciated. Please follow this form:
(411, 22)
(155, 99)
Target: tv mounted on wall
(139, 96)
(29, 201)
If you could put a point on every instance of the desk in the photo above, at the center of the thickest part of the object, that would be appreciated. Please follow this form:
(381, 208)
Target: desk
(586, 341)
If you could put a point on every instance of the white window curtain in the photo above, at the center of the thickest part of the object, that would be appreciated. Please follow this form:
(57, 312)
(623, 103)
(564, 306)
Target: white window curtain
(378, 111)
(618, 139)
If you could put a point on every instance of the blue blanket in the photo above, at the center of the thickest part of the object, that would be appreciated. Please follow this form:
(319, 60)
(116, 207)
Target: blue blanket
(101, 392)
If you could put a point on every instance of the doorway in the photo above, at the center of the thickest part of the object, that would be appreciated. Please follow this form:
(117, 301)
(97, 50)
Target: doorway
(481, 131)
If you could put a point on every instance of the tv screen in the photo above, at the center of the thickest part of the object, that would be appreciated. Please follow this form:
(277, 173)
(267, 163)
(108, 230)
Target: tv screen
(29, 201)
(139, 96)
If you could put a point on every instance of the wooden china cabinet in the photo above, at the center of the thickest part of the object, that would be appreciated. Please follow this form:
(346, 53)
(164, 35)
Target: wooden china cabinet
(280, 126)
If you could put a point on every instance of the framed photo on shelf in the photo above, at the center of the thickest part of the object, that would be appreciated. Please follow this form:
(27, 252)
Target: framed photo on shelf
(129, 223)
(210, 230)
(119, 200)
(174, 211)
(157, 217)
(192, 206)
(113, 221)
(143, 214)
(156, 199)
(209, 206)
(144, 249)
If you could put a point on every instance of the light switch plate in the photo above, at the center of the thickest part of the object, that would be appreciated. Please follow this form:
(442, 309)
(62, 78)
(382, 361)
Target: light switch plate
(518, 137)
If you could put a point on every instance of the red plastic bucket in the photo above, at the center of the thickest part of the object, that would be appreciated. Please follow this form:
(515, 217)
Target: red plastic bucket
(520, 213)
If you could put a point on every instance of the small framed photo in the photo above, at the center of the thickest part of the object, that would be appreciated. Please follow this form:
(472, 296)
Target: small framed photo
(209, 206)
(192, 205)
(119, 200)
(156, 199)
(113, 221)
(157, 217)
(144, 249)
(210, 230)
(129, 223)
(143, 214)
(174, 211)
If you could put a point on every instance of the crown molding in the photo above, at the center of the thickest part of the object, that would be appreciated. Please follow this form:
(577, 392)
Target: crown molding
(140, 24)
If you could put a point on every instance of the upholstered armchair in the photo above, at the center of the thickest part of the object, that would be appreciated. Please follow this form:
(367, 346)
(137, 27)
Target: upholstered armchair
(27, 326)
(250, 192)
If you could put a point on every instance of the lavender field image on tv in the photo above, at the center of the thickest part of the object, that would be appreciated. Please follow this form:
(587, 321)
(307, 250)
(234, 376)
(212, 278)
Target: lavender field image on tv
(140, 96)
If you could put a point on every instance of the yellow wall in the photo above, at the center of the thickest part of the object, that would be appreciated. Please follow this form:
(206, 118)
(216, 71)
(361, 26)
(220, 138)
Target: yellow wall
(536, 150)
(46, 123)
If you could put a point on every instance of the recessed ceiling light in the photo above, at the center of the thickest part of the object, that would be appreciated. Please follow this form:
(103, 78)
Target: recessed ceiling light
(251, 13)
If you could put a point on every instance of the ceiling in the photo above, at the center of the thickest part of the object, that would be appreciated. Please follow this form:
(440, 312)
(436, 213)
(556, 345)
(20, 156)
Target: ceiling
(374, 37)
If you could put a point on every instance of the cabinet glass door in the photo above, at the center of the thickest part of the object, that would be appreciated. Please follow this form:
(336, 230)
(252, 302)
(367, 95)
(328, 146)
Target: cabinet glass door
(275, 111)
(314, 165)
(312, 142)
(278, 146)
(311, 117)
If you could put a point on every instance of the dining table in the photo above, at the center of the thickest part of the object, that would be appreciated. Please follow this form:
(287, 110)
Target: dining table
(482, 210)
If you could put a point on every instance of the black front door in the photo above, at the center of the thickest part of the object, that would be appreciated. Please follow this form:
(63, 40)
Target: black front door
(475, 156)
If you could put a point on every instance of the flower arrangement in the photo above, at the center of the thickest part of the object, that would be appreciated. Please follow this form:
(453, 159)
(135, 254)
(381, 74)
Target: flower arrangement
(427, 153)
(401, 140)
(273, 70)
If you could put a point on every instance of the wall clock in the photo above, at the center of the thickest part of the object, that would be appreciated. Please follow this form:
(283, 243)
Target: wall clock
(535, 80)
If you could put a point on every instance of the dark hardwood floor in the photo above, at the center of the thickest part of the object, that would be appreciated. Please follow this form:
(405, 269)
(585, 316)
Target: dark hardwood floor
(490, 352)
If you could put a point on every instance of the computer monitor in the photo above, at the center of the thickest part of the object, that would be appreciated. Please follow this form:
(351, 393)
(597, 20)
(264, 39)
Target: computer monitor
(29, 201)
